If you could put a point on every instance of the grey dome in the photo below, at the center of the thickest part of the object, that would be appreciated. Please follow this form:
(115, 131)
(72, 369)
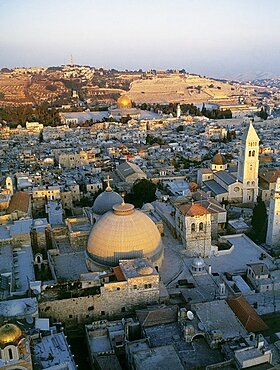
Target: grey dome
(105, 201)
(198, 263)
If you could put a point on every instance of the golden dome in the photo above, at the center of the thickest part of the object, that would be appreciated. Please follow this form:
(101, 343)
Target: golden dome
(124, 233)
(9, 333)
(124, 102)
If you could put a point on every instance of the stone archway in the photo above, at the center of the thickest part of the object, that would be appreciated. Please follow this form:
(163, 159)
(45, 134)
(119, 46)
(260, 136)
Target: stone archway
(198, 336)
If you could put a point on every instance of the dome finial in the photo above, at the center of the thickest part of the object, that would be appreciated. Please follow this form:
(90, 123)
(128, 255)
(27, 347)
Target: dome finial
(123, 195)
(108, 179)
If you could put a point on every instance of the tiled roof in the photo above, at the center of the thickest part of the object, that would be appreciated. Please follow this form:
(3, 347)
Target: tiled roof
(193, 210)
(226, 177)
(214, 187)
(270, 176)
(247, 315)
(19, 202)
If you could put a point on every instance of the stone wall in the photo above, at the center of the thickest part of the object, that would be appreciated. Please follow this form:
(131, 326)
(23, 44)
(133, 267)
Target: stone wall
(114, 300)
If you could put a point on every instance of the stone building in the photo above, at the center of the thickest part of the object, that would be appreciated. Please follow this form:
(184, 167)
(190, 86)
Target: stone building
(122, 289)
(193, 227)
(225, 186)
(20, 205)
(267, 181)
(130, 172)
(273, 229)
(248, 164)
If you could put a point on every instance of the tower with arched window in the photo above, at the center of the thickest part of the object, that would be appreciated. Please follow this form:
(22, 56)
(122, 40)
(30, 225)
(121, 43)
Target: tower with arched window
(193, 227)
(248, 164)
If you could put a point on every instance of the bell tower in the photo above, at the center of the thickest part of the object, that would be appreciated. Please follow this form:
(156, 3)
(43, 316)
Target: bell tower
(248, 164)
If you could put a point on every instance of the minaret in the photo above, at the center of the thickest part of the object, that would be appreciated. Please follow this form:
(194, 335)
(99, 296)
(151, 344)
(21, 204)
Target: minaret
(248, 164)
(71, 60)
(273, 228)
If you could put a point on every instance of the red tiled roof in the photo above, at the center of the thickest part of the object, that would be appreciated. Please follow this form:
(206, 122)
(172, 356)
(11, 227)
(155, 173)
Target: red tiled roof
(247, 315)
(19, 202)
(270, 176)
(193, 210)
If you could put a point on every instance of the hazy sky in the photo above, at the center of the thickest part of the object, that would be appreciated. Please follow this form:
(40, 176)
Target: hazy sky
(212, 37)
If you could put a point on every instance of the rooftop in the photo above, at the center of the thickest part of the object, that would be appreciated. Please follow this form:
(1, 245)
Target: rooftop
(218, 316)
(53, 350)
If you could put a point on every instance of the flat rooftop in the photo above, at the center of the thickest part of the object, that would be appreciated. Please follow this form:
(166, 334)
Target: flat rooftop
(18, 307)
(53, 350)
(159, 358)
(217, 315)
(23, 268)
(70, 265)
(243, 247)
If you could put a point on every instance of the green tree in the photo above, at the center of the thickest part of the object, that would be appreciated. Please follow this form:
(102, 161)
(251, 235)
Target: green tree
(259, 220)
(263, 114)
(180, 128)
(143, 191)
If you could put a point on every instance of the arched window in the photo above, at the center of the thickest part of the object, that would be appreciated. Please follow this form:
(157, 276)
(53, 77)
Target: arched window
(253, 153)
(201, 226)
(193, 227)
(250, 153)
(10, 352)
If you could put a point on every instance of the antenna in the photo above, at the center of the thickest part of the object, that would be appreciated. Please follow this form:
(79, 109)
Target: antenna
(71, 60)
(190, 315)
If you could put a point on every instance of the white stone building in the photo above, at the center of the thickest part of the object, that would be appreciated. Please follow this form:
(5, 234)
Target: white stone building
(193, 227)
(273, 229)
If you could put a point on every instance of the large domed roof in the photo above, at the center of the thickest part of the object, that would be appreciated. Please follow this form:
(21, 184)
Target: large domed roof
(105, 201)
(9, 333)
(219, 159)
(124, 102)
(124, 233)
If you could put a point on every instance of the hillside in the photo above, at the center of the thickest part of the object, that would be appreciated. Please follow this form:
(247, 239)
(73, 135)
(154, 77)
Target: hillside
(186, 89)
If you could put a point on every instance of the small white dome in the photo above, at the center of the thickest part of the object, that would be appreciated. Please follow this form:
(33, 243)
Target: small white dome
(198, 263)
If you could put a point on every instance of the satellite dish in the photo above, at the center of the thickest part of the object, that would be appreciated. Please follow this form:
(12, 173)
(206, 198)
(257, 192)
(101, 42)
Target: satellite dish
(190, 315)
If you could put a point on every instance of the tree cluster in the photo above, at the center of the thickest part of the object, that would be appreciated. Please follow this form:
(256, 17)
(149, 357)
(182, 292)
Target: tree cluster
(259, 220)
(150, 139)
(143, 191)
(262, 114)
(14, 116)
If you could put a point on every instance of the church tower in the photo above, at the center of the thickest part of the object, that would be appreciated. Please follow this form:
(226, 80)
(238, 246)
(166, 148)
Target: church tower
(273, 228)
(248, 164)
